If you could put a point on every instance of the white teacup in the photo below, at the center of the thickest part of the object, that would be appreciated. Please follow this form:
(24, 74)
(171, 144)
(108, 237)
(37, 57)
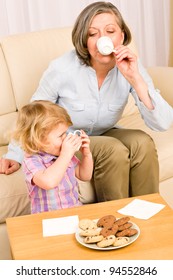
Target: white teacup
(105, 45)
(76, 132)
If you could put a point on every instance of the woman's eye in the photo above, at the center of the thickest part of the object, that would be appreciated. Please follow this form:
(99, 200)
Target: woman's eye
(110, 31)
(92, 34)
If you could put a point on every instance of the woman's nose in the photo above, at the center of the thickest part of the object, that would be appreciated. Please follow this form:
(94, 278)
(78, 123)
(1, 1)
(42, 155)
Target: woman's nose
(102, 34)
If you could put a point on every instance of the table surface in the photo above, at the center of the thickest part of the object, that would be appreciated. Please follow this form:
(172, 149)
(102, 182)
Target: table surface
(154, 242)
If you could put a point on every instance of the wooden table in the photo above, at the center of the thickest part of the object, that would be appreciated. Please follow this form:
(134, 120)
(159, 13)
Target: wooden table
(154, 242)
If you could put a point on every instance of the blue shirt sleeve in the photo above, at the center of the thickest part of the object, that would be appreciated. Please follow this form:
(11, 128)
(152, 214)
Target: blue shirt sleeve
(14, 152)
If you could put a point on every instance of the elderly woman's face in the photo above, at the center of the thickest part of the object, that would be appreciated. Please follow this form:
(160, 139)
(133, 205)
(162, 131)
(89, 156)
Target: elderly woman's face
(104, 24)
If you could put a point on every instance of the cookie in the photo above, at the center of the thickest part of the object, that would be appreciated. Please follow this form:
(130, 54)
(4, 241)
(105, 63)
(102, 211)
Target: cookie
(106, 242)
(93, 239)
(86, 224)
(109, 231)
(127, 232)
(106, 221)
(122, 221)
(125, 226)
(121, 241)
(90, 232)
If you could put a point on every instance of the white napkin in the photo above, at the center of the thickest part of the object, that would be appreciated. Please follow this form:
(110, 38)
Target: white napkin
(141, 209)
(58, 226)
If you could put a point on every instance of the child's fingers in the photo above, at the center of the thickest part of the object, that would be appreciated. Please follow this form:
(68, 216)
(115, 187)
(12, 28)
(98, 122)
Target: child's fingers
(85, 140)
(85, 145)
(73, 140)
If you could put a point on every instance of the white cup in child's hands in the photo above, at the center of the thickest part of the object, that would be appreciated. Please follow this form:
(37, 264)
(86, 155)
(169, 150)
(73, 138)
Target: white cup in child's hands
(76, 132)
(105, 45)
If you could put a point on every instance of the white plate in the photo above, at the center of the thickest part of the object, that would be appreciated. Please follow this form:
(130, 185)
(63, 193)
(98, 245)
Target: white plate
(133, 238)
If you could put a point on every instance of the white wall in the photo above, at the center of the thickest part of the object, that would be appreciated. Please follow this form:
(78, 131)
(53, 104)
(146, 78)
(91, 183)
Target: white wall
(148, 19)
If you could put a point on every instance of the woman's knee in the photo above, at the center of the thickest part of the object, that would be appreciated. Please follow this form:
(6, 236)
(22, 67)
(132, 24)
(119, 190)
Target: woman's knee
(108, 147)
(145, 142)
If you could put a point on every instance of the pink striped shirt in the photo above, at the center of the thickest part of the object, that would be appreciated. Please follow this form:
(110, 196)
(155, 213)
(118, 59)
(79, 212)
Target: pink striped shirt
(65, 195)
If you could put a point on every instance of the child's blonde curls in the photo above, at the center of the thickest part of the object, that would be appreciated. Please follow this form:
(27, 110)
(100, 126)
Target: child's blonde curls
(34, 123)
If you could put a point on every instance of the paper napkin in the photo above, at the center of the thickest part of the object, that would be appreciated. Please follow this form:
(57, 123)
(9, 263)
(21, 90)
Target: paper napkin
(141, 209)
(58, 226)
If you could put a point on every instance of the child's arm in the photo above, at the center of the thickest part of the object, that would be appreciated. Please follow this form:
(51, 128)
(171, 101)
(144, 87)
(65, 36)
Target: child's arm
(85, 168)
(52, 176)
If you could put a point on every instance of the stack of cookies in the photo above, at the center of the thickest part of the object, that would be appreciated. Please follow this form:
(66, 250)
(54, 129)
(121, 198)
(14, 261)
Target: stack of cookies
(107, 231)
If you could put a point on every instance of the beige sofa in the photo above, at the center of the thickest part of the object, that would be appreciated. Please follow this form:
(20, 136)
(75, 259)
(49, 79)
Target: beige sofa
(23, 58)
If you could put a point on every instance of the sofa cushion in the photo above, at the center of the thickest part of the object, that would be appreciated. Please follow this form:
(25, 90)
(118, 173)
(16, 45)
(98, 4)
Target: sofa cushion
(14, 200)
(5, 253)
(87, 192)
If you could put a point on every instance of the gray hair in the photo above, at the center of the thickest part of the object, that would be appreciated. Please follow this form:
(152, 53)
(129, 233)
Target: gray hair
(82, 24)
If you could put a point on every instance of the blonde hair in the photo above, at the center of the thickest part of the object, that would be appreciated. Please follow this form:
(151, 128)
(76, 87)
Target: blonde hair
(83, 22)
(35, 121)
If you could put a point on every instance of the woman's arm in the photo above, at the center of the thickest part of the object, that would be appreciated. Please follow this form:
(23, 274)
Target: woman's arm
(11, 161)
(156, 112)
(127, 63)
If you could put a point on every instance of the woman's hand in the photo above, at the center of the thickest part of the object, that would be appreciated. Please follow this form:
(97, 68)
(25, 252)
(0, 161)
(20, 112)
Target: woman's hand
(126, 62)
(8, 166)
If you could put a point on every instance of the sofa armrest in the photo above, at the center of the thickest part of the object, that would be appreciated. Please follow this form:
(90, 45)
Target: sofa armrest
(163, 80)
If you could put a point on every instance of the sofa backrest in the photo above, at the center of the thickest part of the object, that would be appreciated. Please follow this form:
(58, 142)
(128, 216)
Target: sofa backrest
(7, 101)
(163, 78)
(28, 55)
(23, 59)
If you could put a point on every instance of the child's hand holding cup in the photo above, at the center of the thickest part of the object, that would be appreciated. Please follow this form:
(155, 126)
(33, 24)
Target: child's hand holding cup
(76, 132)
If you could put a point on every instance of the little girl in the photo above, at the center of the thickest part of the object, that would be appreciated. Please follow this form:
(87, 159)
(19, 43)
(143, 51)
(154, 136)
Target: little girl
(49, 164)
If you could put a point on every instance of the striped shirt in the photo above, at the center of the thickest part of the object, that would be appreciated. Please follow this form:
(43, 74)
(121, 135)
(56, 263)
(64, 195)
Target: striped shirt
(65, 195)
